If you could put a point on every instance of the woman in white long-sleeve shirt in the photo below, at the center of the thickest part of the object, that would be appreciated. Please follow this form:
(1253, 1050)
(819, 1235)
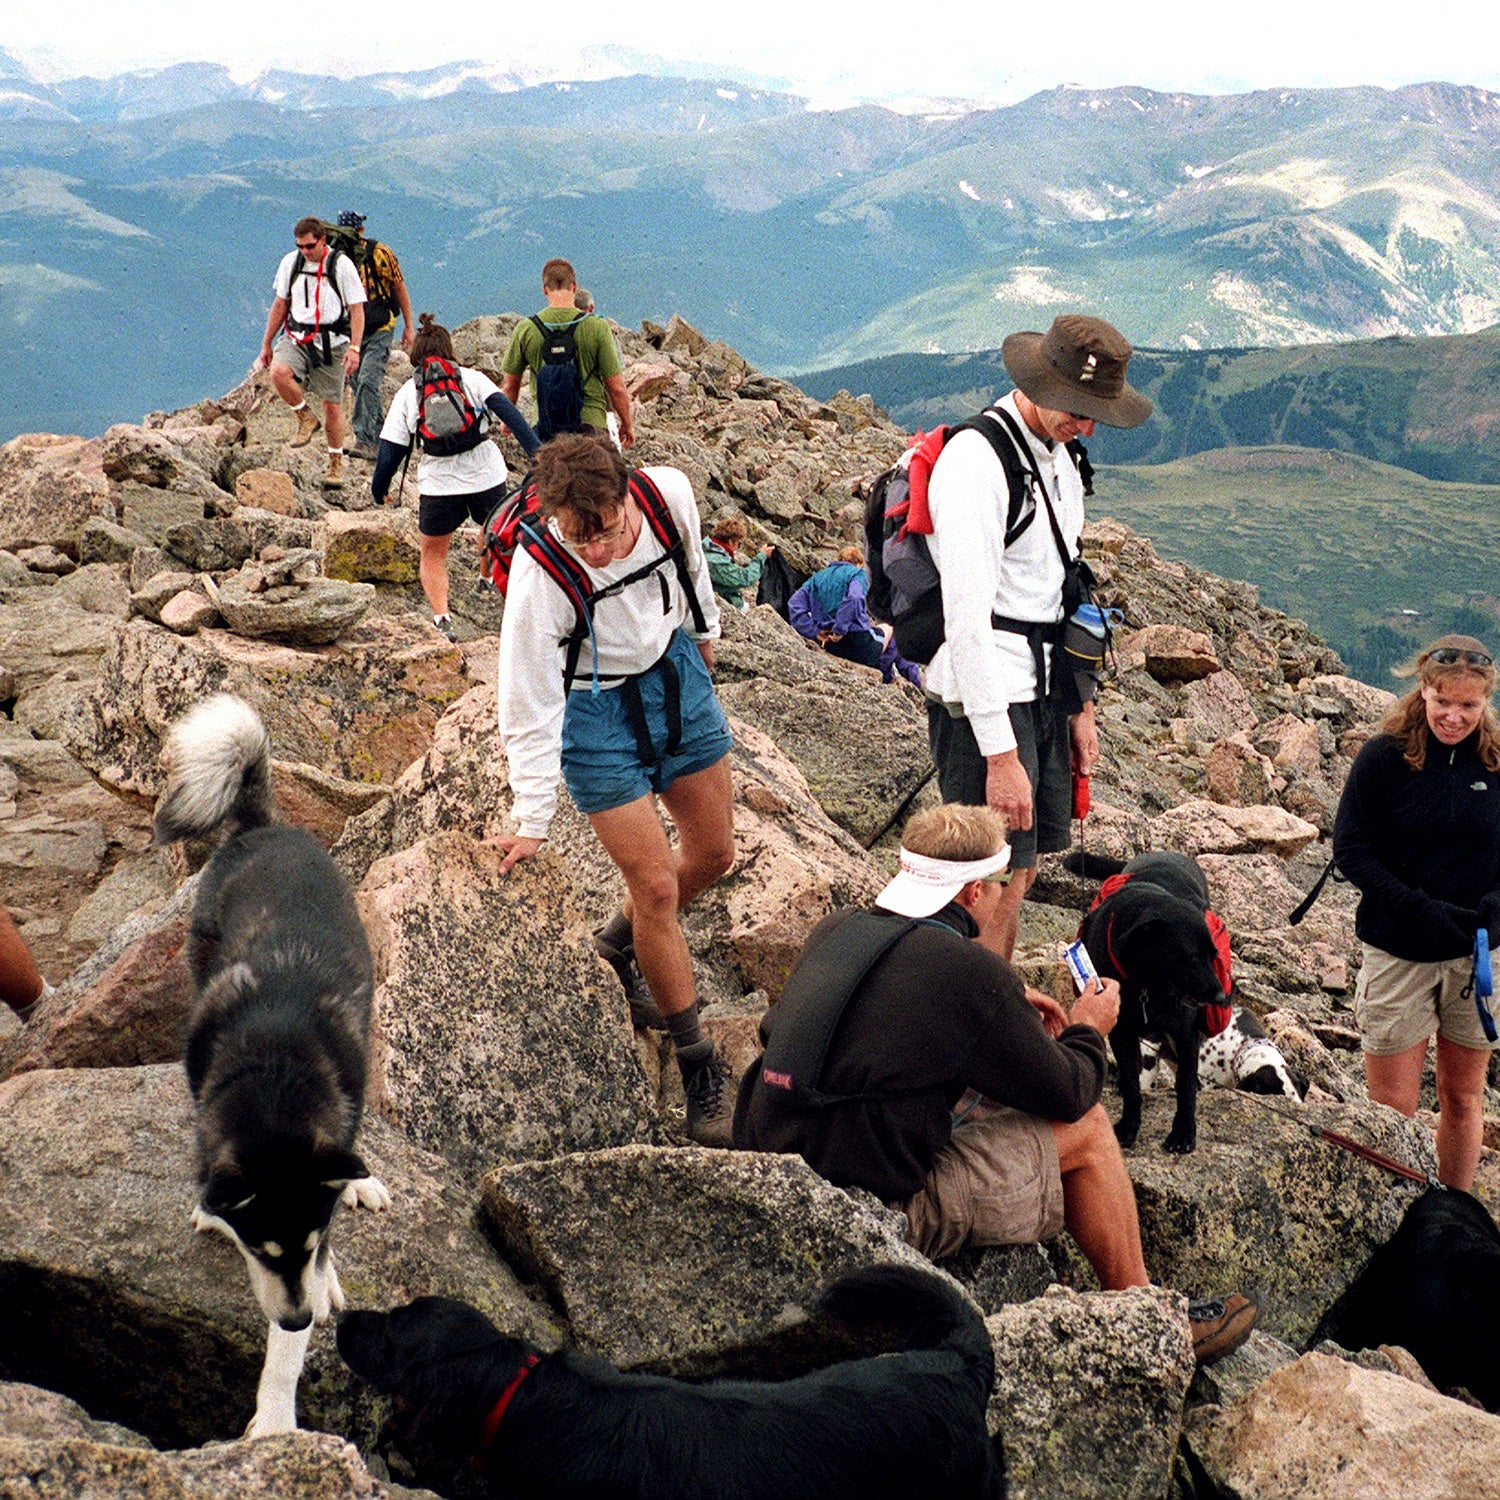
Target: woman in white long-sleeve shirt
(638, 721)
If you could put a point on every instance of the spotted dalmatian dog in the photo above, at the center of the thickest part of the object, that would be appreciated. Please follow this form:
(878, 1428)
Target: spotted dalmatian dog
(1241, 1056)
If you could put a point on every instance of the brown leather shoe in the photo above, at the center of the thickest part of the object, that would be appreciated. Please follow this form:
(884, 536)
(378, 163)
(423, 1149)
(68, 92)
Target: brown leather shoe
(334, 478)
(1221, 1325)
(307, 424)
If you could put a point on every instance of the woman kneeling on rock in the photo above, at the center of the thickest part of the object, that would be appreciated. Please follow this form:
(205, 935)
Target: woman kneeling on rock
(1418, 832)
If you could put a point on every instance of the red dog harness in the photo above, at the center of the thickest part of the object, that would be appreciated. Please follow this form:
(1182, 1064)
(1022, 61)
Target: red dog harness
(1214, 1018)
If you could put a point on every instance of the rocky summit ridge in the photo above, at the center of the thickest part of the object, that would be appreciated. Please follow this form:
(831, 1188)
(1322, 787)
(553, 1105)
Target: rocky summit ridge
(194, 552)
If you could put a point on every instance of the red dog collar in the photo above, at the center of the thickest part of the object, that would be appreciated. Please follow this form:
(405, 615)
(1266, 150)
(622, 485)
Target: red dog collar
(498, 1410)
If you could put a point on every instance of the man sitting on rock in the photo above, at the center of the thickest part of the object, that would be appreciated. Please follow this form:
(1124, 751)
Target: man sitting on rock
(905, 1058)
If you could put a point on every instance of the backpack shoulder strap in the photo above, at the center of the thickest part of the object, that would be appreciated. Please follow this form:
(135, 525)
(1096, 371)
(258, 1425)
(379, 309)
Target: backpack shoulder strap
(1024, 448)
(1018, 515)
(567, 573)
(819, 990)
(659, 517)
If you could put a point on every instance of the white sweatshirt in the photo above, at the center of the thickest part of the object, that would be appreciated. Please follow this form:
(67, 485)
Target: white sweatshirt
(632, 630)
(982, 669)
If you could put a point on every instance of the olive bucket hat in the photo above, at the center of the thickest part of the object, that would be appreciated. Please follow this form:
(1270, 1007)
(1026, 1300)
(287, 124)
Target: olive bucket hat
(1077, 366)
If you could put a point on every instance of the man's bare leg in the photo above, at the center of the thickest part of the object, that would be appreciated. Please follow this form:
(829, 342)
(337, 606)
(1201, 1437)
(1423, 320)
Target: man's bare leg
(1099, 1200)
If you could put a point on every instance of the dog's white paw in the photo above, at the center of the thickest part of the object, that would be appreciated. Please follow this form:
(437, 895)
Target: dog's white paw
(366, 1192)
(272, 1418)
(332, 1299)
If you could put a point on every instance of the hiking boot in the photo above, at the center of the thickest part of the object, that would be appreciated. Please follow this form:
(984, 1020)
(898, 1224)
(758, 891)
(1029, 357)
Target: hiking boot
(334, 478)
(443, 624)
(367, 451)
(1222, 1324)
(307, 424)
(710, 1104)
(644, 1014)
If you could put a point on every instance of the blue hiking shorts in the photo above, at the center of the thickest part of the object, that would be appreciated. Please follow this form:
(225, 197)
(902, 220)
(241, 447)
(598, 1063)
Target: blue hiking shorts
(640, 735)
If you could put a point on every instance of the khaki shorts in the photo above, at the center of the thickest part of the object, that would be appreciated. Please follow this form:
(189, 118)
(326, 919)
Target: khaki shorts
(323, 382)
(996, 1182)
(1398, 1003)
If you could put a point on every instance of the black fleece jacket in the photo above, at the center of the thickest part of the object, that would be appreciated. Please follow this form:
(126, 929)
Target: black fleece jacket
(1423, 847)
(937, 1015)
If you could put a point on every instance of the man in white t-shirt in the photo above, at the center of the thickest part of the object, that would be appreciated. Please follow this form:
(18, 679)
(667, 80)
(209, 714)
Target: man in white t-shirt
(317, 320)
(1000, 736)
(638, 721)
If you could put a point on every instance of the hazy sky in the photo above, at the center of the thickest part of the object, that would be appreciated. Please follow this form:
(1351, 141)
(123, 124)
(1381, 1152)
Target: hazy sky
(993, 50)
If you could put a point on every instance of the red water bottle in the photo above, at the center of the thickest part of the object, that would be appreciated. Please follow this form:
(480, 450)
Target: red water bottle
(1080, 794)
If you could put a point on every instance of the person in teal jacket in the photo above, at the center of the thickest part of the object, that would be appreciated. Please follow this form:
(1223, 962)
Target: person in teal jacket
(731, 578)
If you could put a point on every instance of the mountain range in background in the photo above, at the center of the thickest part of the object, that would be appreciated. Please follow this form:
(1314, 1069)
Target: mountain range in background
(1431, 405)
(138, 236)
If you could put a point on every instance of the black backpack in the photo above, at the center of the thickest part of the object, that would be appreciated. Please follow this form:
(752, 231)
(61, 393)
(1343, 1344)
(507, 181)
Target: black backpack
(779, 580)
(559, 382)
(448, 422)
(904, 585)
(812, 1005)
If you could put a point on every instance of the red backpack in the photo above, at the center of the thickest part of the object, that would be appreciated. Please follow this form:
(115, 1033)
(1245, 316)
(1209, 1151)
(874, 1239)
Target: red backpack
(447, 421)
(1216, 1018)
(516, 521)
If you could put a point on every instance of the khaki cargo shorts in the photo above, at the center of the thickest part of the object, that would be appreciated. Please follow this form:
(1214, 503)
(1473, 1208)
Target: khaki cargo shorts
(1399, 1002)
(320, 381)
(996, 1182)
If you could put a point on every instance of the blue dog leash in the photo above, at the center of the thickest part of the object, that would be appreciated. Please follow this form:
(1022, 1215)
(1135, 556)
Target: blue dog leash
(1483, 983)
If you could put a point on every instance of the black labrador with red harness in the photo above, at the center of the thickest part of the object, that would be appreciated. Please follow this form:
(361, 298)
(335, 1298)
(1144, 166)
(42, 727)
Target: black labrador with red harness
(909, 1420)
(1152, 935)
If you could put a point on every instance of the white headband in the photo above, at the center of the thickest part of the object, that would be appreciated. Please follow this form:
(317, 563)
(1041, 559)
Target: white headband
(926, 885)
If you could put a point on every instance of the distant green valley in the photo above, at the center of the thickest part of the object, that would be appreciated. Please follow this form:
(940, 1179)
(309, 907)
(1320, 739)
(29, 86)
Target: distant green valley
(1377, 559)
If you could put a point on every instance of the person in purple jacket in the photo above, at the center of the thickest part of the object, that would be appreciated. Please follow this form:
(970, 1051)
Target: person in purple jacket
(830, 610)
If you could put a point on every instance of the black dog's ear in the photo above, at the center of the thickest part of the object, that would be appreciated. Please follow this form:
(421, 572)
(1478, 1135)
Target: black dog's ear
(225, 1191)
(337, 1168)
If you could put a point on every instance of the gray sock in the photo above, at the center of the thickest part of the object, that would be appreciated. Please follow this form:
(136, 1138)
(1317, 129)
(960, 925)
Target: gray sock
(685, 1030)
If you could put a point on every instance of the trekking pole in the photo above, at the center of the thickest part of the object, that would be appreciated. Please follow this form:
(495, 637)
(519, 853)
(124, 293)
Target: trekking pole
(405, 465)
(1336, 1138)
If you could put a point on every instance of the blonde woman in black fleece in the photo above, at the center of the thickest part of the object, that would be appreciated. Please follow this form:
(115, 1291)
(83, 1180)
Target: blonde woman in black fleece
(1418, 832)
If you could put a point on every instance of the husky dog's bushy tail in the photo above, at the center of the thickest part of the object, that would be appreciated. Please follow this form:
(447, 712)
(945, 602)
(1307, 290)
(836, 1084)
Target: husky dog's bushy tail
(218, 759)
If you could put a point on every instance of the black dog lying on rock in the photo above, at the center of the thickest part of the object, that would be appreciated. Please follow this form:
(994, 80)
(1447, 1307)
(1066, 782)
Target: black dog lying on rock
(1152, 934)
(570, 1427)
(1434, 1289)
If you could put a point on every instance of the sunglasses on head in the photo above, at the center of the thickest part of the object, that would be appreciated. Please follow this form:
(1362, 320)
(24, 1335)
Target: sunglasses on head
(1449, 656)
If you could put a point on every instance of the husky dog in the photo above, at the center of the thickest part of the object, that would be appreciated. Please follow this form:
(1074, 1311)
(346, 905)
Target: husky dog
(277, 1042)
(909, 1420)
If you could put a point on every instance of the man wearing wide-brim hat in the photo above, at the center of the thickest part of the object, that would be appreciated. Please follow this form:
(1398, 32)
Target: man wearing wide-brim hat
(1002, 732)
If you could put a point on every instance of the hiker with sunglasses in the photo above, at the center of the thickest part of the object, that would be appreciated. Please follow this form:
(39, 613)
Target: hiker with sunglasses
(312, 339)
(1418, 833)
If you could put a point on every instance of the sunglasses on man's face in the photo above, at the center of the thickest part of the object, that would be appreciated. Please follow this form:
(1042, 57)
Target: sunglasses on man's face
(1450, 656)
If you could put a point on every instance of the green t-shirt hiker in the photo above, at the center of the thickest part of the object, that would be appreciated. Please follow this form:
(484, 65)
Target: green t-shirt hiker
(595, 355)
